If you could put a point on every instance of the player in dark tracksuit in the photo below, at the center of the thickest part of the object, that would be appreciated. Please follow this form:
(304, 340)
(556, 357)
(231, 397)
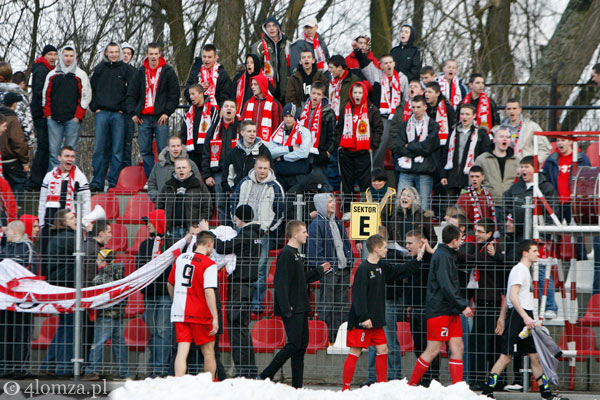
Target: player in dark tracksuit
(291, 302)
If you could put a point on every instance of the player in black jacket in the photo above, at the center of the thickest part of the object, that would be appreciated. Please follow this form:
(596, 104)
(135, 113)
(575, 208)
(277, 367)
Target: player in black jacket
(246, 246)
(291, 302)
(443, 309)
(367, 313)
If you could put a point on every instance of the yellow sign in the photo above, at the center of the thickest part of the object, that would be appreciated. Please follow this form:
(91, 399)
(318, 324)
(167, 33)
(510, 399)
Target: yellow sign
(364, 220)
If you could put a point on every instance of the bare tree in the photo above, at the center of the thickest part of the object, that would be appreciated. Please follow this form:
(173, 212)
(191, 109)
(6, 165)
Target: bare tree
(228, 27)
(381, 26)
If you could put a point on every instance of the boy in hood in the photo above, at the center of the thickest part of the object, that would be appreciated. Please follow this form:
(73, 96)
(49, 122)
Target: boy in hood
(274, 50)
(109, 84)
(406, 55)
(328, 243)
(66, 96)
(358, 132)
(41, 67)
(213, 77)
(14, 158)
(299, 84)
(262, 108)
(150, 102)
(310, 40)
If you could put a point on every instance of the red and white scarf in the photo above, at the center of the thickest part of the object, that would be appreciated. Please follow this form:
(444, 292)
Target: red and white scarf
(335, 87)
(269, 70)
(157, 246)
(318, 50)
(470, 155)
(216, 144)
(391, 92)
(313, 125)
(266, 123)
(474, 199)
(411, 135)
(407, 111)
(516, 140)
(55, 185)
(210, 76)
(293, 139)
(239, 94)
(151, 86)
(451, 91)
(205, 121)
(441, 117)
(357, 133)
(484, 110)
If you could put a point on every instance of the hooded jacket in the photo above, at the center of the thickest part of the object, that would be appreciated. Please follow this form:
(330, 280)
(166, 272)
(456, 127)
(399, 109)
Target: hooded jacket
(196, 201)
(223, 91)
(443, 288)
(408, 56)
(163, 170)
(456, 176)
(248, 86)
(144, 255)
(23, 109)
(298, 91)
(67, 92)
(12, 143)
(375, 122)
(266, 199)
(278, 55)
(109, 84)
(39, 71)
(240, 161)
(167, 91)
(259, 107)
(320, 247)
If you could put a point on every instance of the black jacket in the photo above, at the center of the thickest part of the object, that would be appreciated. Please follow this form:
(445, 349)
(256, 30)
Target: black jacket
(226, 135)
(369, 291)
(38, 78)
(21, 252)
(60, 259)
(90, 269)
(443, 291)
(408, 57)
(167, 94)
(248, 85)
(451, 114)
(224, 90)
(415, 291)
(426, 149)
(214, 119)
(158, 287)
(493, 274)
(196, 201)
(493, 109)
(327, 140)
(400, 224)
(456, 176)
(239, 162)
(246, 246)
(291, 282)
(299, 84)
(109, 85)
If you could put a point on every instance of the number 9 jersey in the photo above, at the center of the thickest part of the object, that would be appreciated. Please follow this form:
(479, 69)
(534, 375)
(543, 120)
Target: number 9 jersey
(191, 275)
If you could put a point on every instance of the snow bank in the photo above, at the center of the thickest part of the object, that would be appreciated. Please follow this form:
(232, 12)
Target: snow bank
(201, 387)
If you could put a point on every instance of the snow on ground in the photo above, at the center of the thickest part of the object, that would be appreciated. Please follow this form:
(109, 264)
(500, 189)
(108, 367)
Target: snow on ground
(201, 387)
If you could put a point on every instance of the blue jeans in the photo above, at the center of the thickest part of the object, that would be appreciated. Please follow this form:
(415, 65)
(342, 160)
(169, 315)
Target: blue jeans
(113, 329)
(158, 319)
(129, 133)
(263, 271)
(596, 288)
(60, 352)
(423, 184)
(40, 160)
(467, 325)
(147, 131)
(57, 131)
(109, 126)
(550, 301)
(392, 308)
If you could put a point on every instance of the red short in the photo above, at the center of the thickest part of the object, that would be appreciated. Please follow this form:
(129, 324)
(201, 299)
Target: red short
(365, 337)
(444, 327)
(198, 333)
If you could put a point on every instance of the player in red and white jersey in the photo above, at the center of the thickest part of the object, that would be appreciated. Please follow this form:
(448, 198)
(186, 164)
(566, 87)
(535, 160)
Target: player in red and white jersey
(192, 285)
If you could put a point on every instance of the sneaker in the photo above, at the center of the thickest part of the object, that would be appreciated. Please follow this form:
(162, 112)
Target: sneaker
(515, 387)
(557, 397)
(550, 314)
(346, 216)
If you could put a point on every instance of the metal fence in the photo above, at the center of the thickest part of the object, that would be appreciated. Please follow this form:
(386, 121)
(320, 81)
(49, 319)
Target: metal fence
(136, 338)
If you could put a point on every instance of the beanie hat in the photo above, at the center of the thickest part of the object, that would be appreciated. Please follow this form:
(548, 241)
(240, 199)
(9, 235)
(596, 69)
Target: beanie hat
(245, 213)
(10, 98)
(47, 49)
(291, 109)
(126, 45)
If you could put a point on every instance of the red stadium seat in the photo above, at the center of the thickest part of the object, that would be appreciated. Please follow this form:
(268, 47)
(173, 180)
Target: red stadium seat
(136, 335)
(135, 305)
(592, 153)
(131, 180)
(268, 335)
(592, 312)
(585, 344)
(109, 202)
(128, 262)
(271, 275)
(47, 332)
(405, 338)
(317, 336)
(118, 242)
(138, 206)
(141, 235)
(224, 343)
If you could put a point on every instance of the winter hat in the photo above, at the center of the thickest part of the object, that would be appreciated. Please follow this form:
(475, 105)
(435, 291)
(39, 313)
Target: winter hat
(274, 20)
(47, 49)
(291, 109)
(126, 45)
(106, 255)
(245, 213)
(10, 98)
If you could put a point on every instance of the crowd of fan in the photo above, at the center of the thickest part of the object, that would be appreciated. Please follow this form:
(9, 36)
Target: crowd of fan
(295, 120)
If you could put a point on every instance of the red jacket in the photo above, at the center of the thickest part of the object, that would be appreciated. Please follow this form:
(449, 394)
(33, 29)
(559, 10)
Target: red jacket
(9, 204)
